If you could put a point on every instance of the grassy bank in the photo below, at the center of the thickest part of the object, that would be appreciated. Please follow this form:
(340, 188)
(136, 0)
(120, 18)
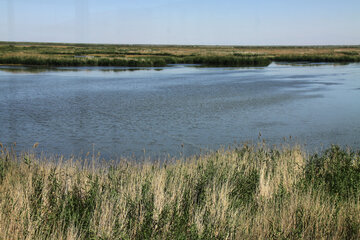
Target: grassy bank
(244, 193)
(56, 54)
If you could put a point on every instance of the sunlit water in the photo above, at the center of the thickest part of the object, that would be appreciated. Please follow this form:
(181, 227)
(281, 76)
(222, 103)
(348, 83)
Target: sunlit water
(177, 110)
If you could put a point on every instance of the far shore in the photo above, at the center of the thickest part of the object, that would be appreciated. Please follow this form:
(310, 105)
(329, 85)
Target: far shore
(72, 55)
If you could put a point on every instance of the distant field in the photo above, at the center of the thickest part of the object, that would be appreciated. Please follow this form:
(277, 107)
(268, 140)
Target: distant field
(61, 54)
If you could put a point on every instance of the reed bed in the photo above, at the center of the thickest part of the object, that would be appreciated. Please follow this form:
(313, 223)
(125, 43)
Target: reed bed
(249, 192)
(216, 61)
(345, 58)
(83, 61)
(57, 54)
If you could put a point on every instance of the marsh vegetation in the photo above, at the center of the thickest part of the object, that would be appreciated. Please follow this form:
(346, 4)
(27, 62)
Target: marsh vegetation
(56, 54)
(248, 192)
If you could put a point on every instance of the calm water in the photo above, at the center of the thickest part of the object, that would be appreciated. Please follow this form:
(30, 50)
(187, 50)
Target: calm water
(120, 112)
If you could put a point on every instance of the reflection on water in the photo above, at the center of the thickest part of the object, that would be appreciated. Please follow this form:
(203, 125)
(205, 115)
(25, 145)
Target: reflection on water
(32, 69)
(179, 109)
(311, 64)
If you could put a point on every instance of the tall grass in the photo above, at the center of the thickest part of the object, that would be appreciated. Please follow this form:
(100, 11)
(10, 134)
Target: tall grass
(244, 193)
(72, 61)
(228, 61)
(346, 58)
(161, 60)
(153, 61)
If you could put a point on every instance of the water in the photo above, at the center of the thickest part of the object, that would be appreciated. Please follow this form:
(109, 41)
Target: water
(179, 109)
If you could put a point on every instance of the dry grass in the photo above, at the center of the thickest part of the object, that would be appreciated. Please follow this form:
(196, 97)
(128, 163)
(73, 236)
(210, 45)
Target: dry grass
(245, 193)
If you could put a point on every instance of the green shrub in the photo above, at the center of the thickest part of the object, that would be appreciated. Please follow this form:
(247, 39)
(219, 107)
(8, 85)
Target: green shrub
(337, 171)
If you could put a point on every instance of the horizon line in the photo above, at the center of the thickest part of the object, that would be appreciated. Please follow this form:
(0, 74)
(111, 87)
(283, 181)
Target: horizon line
(188, 45)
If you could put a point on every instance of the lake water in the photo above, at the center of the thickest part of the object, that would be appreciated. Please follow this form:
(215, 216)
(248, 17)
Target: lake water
(178, 109)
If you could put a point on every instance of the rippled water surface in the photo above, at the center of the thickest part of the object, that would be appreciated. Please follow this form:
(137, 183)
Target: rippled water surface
(178, 109)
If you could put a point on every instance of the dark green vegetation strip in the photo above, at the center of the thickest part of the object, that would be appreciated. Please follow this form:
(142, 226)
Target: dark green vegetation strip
(136, 62)
(73, 61)
(244, 193)
(345, 58)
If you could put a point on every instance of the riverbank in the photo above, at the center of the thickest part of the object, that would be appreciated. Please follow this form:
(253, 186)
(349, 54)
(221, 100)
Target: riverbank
(251, 192)
(59, 54)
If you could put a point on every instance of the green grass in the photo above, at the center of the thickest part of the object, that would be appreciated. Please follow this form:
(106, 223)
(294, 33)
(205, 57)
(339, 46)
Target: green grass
(250, 192)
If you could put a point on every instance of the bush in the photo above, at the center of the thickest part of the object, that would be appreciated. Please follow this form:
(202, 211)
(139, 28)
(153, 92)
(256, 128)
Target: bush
(337, 171)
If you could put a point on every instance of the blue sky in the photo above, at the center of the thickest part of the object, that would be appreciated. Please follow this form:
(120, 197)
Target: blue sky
(256, 22)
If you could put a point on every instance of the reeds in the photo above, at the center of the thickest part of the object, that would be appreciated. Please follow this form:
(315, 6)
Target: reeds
(346, 58)
(250, 192)
(228, 61)
(57, 54)
(216, 61)
(73, 61)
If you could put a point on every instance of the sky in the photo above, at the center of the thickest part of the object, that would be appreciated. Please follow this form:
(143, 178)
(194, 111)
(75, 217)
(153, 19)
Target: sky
(187, 22)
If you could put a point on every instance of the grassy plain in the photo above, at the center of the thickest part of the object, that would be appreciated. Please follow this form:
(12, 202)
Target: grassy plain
(249, 192)
(60, 54)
